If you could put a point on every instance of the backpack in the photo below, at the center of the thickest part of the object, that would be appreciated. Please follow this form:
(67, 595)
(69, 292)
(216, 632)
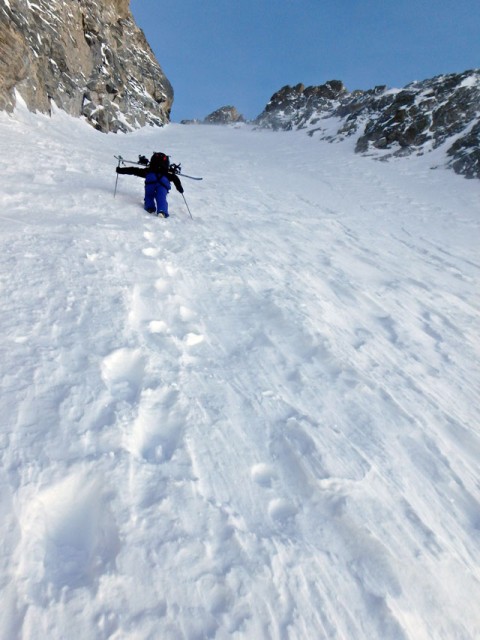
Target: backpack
(160, 163)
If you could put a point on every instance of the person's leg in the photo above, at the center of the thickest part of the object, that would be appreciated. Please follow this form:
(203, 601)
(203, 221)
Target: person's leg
(163, 187)
(150, 193)
(161, 197)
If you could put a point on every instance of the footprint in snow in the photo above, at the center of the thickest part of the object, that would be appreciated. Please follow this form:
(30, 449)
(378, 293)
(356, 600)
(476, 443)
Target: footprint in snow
(68, 535)
(162, 285)
(262, 474)
(192, 339)
(158, 326)
(186, 314)
(171, 270)
(151, 252)
(281, 511)
(158, 428)
(362, 336)
(122, 372)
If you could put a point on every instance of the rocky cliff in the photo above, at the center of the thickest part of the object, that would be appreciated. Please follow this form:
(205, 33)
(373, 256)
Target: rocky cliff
(224, 115)
(444, 110)
(87, 56)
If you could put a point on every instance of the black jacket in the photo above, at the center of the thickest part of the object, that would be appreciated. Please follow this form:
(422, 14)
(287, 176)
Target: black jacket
(142, 172)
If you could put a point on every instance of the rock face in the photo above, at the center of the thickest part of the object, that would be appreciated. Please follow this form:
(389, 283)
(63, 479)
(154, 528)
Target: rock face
(224, 115)
(87, 56)
(299, 106)
(444, 110)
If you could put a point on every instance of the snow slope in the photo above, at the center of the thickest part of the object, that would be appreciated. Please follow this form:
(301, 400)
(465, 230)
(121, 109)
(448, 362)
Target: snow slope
(261, 423)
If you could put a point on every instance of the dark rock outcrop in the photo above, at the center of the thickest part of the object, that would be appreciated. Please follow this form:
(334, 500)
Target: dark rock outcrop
(224, 115)
(296, 107)
(444, 110)
(87, 56)
(465, 153)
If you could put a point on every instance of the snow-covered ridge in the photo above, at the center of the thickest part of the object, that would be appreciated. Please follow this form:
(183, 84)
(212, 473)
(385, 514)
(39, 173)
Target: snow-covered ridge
(442, 111)
(259, 424)
(88, 57)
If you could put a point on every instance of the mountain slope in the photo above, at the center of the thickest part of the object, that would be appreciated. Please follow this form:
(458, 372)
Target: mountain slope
(421, 117)
(262, 423)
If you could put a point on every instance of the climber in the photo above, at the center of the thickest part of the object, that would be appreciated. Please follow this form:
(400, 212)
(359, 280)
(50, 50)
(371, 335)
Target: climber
(158, 174)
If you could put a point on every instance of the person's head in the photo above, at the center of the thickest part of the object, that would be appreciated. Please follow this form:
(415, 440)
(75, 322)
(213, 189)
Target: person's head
(159, 162)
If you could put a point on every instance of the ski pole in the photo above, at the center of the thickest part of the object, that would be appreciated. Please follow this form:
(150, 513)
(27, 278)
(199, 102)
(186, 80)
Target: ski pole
(120, 159)
(188, 208)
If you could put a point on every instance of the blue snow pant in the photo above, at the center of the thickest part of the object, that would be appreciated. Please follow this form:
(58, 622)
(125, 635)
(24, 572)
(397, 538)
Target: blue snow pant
(156, 191)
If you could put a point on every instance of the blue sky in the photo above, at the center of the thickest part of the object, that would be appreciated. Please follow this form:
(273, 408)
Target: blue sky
(239, 52)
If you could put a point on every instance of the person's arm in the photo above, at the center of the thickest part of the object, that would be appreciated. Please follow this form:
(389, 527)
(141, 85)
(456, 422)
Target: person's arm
(176, 181)
(140, 172)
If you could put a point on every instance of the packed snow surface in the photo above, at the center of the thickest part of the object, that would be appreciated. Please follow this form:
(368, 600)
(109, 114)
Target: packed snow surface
(259, 423)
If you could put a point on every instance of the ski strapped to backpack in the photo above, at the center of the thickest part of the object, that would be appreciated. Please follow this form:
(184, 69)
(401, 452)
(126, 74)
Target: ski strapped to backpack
(143, 161)
(177, 169)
